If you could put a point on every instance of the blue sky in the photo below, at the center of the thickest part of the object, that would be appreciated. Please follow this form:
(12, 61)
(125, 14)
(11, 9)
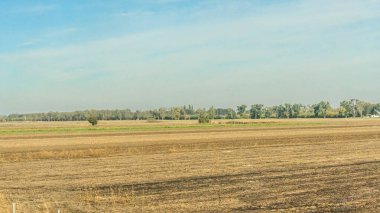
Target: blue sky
(141, 54)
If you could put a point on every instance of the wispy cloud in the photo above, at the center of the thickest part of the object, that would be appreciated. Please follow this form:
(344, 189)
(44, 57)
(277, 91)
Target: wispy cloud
(271, 53)
(30, 42)
(135, 14)
(48, 36)
(42, 8)
(192, 47)
(61, 32)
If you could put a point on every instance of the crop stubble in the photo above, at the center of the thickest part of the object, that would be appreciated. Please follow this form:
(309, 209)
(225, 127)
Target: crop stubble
(333, 167)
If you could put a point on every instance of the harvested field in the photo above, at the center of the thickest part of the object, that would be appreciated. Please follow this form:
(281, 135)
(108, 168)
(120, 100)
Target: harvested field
(300, 165)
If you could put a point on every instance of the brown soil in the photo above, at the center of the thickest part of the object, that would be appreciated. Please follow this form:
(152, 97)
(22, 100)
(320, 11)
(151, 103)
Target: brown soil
(329, 168)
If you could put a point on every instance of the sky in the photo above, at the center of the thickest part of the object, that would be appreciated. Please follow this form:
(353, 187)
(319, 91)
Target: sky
(142, 54)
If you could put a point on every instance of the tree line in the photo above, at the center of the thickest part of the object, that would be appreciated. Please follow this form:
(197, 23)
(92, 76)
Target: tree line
(323, 109)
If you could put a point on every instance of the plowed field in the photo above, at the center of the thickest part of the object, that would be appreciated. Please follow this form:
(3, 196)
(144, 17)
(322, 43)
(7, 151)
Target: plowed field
(306, 165)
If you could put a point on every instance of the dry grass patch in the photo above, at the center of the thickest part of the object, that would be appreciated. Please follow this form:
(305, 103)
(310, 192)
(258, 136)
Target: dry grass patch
(329, 168)
(55, 154)
(5, 205)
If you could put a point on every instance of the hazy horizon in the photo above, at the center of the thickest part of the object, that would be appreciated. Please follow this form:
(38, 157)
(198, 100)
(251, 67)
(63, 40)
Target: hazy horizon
(143, 54)
(206, 107)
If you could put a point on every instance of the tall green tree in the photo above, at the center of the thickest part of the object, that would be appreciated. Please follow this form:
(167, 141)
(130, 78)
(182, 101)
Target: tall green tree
(241, 110)
(321, 109)
(203, 116)
(296, 110)
(175, 113)
(211, 112)
(256, 111)
(268, 112)
(288, 110)
(364, 108)
(162, 113)
(280, 111)
(231, 114)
